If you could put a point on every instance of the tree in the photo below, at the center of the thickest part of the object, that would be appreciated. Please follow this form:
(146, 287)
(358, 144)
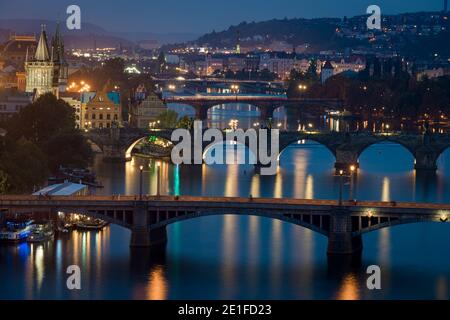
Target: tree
(3, 182)
(24, 166)
(76, 152)
(185, 123)
(46, 127)
(167, 120)
(161, 62)
(42, 120)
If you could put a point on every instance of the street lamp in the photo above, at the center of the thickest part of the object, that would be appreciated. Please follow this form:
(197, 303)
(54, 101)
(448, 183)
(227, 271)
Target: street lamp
(341, 182)
(141, 171)
(352, 175)
(158, 178)
(302, 89)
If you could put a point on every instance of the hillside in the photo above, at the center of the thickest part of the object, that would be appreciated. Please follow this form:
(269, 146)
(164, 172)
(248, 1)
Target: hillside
(421, 32)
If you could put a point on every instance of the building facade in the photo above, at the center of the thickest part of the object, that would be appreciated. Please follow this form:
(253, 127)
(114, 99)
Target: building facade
(73, 99)
(145, 109)
(11, 102)
(99, 110)
(14, 51)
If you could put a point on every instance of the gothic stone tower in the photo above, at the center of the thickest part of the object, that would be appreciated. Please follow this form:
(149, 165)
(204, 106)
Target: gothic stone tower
(59, 61)
(47, 72)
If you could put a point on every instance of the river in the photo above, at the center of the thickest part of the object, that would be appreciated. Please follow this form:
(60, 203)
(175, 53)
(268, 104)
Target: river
(234, 257)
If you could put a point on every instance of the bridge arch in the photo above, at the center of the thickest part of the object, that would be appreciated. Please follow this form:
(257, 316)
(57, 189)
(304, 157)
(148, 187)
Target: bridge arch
(304, 142)
(361, 151)
(389, 224)
(321, 226)
(384, 140)
(443, 151)
(186, 108)
(132, 146)
(286, 142)
(123, 220)
(246, 153)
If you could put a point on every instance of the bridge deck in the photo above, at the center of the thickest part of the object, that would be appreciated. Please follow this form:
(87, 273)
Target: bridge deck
(26, 200)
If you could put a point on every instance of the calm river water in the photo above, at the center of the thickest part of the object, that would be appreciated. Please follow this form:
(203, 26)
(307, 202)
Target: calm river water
(233, 257)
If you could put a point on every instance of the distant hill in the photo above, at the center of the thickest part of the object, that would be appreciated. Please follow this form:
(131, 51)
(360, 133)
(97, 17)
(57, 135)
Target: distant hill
(318, 33)
(88, 35)
(336, 34)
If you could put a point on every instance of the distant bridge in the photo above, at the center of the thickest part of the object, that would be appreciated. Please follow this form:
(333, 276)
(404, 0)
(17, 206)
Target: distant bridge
(147, 218)
(117, 144)
(266, 104)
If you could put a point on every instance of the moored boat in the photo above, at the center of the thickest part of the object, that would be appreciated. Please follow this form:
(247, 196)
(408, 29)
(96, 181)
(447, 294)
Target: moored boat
(41, 233)
(91, 224)
(16, 231)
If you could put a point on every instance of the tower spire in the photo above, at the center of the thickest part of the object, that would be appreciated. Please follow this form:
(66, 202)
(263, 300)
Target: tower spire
(42, 53)
(58, 45)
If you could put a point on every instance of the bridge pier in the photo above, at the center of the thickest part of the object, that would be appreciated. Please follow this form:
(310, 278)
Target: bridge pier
(426, 159)
(142, 236)
(346, 160)
(201, 114)
(113, 153)
(146, 238)
(266, 114)
(340, 239)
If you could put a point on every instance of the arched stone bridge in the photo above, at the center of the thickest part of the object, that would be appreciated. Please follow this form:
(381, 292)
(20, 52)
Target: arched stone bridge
(266, 104)
(117, 144)
(147, 218)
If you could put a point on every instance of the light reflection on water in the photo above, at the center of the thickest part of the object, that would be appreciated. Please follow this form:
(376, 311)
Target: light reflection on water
(235, 257)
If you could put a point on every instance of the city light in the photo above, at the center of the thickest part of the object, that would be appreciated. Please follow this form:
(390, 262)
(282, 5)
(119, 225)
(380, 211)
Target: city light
(322, 122)
(234, 124)
(82, 86)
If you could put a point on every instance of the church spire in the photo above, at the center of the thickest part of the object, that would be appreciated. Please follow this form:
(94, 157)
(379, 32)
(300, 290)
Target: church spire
(42, 53)
(58, 45)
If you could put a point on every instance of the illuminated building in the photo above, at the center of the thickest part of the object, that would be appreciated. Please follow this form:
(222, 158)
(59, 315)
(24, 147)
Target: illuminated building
(47, 71)
(74, 100)
(100, 110)
(15, 49)
(145, 109)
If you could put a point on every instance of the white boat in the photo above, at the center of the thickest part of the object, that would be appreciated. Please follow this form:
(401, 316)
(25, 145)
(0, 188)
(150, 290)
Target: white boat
(16, 231)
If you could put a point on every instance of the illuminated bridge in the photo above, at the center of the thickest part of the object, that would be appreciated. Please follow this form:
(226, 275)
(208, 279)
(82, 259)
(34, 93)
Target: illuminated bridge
(117, 144)
(266, 104)
(148, 217)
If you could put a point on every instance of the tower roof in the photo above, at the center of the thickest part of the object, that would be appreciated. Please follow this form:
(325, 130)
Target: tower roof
(58, 45)
(328, 65)
(42, 53)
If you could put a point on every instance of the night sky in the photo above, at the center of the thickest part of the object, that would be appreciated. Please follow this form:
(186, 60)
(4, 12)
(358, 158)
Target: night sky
(199, 16)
